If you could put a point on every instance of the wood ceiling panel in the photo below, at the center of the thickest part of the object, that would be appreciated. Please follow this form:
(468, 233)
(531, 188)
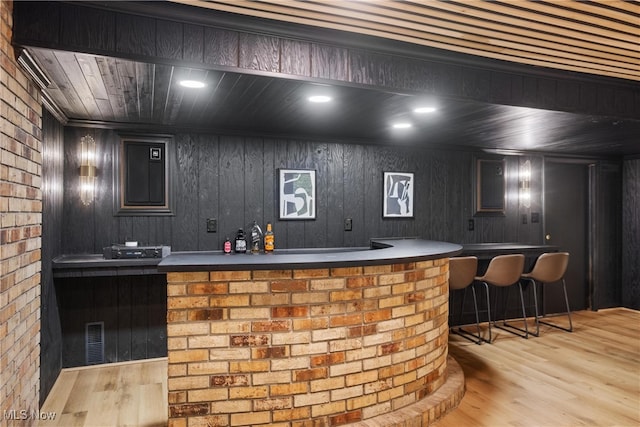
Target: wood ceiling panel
(126, 94)
(595, 37)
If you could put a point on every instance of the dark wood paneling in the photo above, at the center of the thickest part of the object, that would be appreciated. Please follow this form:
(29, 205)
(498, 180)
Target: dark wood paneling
(231, 212)
(221, 47)
(296, 58)
(39, 22)
(124, 314)
(233, 179)
(193, 50)
(169, 39)
(253, 182)
(329, 62)
(260, 53)
(333, 199)
(52, 223)
(208, 197)
(78, 26)
(631, 234)
(353, 172)
(608, 233)
(185, 226)
(133, 309)
(135, 36)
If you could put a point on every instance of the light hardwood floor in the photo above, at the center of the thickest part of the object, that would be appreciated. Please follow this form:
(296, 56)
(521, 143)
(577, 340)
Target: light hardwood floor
(118, 394)
(590, 377)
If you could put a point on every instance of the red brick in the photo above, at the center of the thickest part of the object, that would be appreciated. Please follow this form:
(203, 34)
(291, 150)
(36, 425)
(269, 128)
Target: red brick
(403, 267)
(310, 374)
(269, 352)
(249, 340)
(377, 316)
(208, 288)
(289, 286)
(350, 319)
(346, 418)
(272, 274)
(393, 347)
(189, 409)
(292, 311)
(228, 380)
(206, 314)
(271, 326)
(361, 282)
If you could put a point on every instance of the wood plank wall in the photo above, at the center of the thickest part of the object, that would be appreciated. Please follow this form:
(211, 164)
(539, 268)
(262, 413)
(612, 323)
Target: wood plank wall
(234, 179)
(52, 212)
(133, 309)
(174, 34)
(607, 234)
(631, 234)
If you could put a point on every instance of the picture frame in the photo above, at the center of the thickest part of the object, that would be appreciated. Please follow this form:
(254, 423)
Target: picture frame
(297, 194)
(490, 187)
(398, 195)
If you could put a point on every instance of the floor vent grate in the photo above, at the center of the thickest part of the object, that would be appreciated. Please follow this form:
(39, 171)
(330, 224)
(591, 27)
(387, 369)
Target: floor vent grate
(94, 343)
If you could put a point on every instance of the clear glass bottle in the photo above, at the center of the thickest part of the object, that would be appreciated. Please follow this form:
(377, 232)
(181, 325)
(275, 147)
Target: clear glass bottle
(269, 239)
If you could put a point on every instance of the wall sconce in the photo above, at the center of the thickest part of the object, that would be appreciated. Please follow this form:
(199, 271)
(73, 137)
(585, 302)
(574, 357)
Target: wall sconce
(525, 184)
(87, 169)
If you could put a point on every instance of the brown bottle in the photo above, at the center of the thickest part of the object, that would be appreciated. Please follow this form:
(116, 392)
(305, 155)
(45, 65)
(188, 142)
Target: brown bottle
(269, 239)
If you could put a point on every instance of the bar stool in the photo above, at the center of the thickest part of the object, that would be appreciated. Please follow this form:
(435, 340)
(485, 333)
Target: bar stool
(548, 269)
(462, 271)
(505, 271)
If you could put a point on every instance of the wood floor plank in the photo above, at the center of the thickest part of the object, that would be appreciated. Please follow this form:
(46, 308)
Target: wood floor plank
(80, 395)
(590, 377)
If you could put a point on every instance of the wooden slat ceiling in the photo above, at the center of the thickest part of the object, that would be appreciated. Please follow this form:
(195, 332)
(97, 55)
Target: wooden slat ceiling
(595, 37)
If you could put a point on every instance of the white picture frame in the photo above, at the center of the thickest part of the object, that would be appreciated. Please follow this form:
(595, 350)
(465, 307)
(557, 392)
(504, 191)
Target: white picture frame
(297, 194)
(398, 195)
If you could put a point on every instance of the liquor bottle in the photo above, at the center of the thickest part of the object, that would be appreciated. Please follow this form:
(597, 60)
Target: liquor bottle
(269, 239)
(241, 242)
(227, 246)
(256, 238)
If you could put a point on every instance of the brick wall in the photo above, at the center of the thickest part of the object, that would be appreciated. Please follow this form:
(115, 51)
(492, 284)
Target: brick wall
(21, 210)
(319, 347)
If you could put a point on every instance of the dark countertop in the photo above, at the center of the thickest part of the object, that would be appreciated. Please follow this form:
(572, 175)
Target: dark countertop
(489, 250)
(385, 251)
(95, 265)
(382, 251)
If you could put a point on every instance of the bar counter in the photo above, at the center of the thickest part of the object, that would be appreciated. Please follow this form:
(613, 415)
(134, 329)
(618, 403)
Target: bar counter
(381, 251)
(311, 337)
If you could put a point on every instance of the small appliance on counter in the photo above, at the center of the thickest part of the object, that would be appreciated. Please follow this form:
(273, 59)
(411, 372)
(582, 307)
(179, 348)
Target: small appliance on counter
(131, 250)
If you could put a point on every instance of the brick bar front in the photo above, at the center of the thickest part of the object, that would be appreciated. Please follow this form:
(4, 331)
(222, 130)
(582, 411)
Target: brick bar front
(305, 347)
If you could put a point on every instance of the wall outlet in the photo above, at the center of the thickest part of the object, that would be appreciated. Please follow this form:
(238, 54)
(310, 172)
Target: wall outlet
(348, 224)
(471, 225)
(212, 225)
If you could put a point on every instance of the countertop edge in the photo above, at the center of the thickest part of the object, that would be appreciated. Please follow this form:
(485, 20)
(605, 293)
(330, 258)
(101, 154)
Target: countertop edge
(389, 251)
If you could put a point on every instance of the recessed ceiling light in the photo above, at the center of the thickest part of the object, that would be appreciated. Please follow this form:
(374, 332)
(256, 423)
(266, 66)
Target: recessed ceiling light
(424, 110)
(194, 84)
(401, 125)
(320, 98)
